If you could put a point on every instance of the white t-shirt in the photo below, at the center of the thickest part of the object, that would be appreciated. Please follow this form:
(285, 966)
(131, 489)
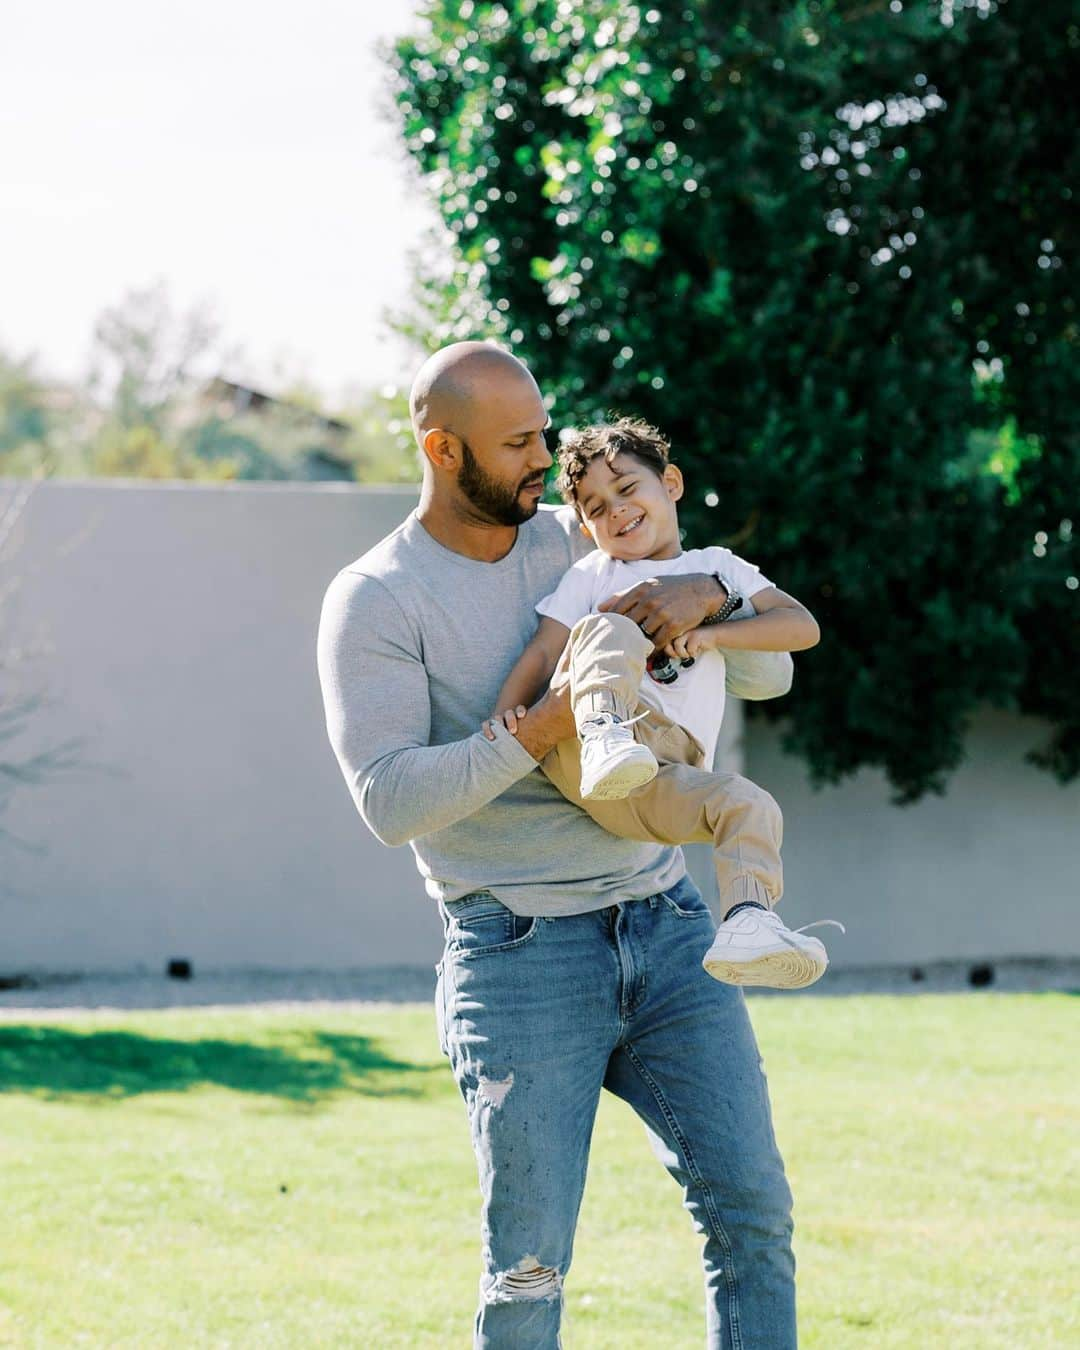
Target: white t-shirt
(690, 695)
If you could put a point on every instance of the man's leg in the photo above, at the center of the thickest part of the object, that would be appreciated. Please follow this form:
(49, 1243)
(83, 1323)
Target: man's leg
(689, 1066)
(526, 1019)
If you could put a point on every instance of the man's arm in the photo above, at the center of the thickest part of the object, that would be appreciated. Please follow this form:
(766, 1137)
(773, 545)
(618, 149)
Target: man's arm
(666, 607)
(378, 717)
(756, 675)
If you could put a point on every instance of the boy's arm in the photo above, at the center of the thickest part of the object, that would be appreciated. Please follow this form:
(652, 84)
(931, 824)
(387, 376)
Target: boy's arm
(780, 624)
(534, 667)
(667, 607)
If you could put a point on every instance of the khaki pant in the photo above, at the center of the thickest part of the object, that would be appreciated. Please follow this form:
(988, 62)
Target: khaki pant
(685, 803)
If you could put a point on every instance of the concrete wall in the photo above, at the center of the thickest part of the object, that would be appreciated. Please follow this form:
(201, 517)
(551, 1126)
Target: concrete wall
(990, 870)
(210, 820)
(172, 629)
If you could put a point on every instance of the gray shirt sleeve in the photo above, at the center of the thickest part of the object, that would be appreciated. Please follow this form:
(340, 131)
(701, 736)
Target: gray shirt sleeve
(378, 717)
(757, 675)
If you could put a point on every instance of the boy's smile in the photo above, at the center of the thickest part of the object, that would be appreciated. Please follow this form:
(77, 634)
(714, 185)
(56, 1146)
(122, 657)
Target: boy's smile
(629, 510)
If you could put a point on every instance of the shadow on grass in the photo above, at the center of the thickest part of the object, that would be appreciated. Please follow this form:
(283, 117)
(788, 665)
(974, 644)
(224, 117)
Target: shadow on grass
(302, 1067)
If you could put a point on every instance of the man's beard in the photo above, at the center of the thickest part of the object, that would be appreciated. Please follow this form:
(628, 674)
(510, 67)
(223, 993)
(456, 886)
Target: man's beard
(497, 501)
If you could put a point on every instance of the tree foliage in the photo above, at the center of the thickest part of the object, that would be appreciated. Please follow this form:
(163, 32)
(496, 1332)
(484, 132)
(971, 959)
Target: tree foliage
(824, 246)
(144, 413)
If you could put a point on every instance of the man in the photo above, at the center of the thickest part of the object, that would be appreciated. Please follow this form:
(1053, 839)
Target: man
(551, 923)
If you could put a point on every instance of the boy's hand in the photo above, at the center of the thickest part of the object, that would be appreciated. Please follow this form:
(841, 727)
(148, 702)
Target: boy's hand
(541, 727)
(690, 645)
(665, 608)
(508, 717)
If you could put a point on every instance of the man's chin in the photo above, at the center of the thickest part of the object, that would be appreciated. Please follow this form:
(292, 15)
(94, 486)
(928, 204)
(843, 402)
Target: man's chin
(528, 504)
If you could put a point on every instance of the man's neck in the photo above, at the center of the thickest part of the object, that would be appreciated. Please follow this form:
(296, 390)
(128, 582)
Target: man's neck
(451, 525)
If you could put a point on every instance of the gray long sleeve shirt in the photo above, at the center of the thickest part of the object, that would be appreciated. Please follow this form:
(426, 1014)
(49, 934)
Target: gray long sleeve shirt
(415, 642)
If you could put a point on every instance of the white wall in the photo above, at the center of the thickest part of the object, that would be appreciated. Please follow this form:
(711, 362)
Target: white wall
(991, 869)
(210, 821)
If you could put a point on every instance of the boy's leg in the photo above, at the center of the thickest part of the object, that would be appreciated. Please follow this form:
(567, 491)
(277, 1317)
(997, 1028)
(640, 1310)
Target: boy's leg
(525, 1009)
(686, 804)
(607, 664)
(606, 656)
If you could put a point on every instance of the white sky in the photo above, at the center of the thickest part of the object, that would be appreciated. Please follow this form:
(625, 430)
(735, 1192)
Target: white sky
(233, 149)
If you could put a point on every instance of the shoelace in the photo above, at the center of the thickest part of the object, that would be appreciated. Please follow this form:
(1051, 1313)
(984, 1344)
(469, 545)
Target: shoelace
(615, 721)
(820, 923)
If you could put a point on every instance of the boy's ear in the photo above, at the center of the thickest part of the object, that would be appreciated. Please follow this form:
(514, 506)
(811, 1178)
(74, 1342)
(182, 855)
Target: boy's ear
(584, 529)
(673, 482)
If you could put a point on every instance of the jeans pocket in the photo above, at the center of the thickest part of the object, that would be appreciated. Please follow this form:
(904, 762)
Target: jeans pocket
(685, 900)
(480, 925)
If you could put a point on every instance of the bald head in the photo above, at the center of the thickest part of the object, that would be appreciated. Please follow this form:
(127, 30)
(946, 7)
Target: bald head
(456, 380)
(479, 421)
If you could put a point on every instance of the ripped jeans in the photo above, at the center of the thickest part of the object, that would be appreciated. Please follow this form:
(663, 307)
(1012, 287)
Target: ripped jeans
(536, 1015)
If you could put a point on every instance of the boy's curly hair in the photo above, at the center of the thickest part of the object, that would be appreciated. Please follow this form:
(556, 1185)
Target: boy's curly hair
(621, 436)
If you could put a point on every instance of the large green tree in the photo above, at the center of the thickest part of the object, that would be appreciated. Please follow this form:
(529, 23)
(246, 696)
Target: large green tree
(824, 246)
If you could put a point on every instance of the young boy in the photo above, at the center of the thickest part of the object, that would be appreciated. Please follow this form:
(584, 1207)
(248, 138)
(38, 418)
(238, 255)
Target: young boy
(653, 781)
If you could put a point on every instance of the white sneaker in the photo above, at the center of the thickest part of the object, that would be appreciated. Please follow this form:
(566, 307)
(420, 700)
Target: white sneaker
(612, 762)
(755, 947)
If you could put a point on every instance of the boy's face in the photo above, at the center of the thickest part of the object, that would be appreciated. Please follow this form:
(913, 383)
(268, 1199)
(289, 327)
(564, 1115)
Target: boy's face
(629, 510)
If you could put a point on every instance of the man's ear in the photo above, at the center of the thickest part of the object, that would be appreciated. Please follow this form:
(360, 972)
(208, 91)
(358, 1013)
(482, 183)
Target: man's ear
(442, 448)
(673, 482)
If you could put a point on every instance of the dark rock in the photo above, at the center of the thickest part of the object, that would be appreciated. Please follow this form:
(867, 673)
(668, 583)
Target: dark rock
(18, 982)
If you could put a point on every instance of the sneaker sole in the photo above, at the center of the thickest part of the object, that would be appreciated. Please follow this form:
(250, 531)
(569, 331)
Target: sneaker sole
(787, 969)
(622, 780)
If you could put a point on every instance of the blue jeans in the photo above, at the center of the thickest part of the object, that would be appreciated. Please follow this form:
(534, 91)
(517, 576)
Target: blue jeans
(536, 1015)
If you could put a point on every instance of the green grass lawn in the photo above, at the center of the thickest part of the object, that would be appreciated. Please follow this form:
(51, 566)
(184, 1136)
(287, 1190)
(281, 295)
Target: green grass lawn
(304, 1179)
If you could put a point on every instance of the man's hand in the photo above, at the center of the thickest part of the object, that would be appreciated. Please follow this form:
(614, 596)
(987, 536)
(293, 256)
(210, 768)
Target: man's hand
(666, 607)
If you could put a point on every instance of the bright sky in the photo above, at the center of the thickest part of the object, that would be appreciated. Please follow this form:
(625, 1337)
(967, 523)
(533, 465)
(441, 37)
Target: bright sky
(233, 149)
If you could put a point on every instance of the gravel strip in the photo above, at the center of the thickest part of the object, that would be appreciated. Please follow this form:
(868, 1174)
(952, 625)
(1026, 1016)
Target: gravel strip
(48, 994)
